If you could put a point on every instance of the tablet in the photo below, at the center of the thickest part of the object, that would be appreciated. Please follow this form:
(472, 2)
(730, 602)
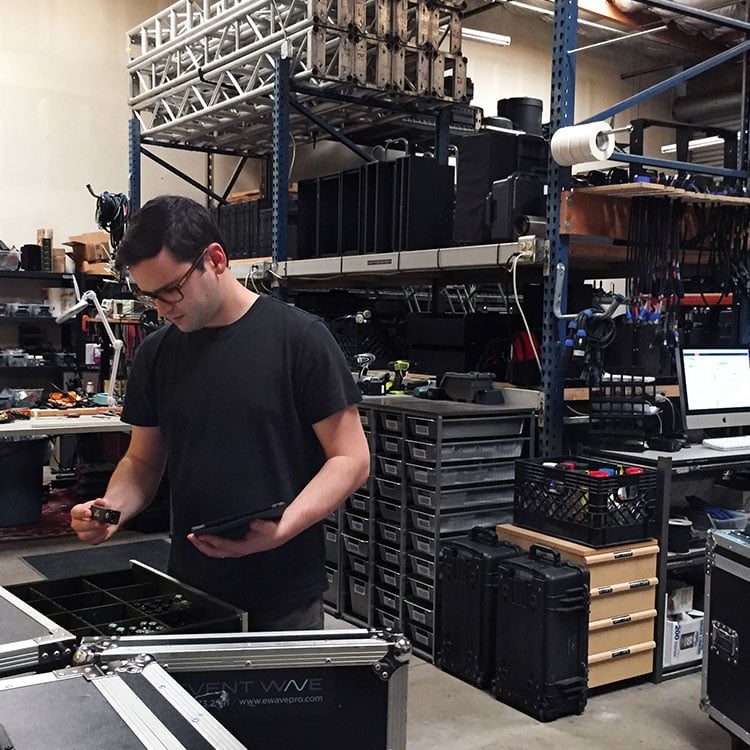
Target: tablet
(235, 527)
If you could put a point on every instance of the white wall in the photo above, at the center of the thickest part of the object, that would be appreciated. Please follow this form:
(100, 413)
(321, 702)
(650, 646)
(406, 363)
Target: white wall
(64, 91)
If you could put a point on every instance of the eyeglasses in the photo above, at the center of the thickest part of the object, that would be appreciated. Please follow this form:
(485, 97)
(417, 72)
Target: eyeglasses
(170, 294)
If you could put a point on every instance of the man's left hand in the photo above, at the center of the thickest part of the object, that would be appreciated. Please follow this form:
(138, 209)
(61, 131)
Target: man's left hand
(261, 536)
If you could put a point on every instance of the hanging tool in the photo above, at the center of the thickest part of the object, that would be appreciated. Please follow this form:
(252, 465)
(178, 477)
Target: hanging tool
(364, 361)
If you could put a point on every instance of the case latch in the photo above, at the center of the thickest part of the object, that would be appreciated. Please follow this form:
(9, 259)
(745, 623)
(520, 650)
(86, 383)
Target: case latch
(725, 642)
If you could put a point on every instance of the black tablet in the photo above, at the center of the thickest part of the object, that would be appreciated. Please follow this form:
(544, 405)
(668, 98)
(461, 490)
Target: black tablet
(235, 527)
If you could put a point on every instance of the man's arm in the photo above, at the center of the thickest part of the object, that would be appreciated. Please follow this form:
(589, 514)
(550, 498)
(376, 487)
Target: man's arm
(131, 488)
(346, 468)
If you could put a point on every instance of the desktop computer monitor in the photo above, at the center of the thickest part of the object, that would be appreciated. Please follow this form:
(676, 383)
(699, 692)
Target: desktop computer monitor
(714, 387)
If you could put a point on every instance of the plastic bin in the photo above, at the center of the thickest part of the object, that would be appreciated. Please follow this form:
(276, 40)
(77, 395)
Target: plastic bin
(460, 474)
(464, 497)
(389, 511)
(456, 522)
(594, 510)
(467, 450)
(421, 427)
(21, 481)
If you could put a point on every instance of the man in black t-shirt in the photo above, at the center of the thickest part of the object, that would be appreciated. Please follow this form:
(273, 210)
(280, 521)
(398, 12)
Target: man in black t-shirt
(246, 402)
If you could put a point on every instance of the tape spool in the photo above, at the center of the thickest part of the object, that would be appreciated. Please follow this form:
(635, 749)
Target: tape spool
(526, 225)
(592, 141)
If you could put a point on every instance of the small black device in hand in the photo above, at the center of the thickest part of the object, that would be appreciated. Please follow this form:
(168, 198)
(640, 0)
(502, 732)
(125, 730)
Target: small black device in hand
(235, 527)
(105, 515)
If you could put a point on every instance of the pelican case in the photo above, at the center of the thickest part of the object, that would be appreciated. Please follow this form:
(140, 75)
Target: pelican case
(725, 689)
(542, 634)
(467, 591)
(321, 690)
(137, 706)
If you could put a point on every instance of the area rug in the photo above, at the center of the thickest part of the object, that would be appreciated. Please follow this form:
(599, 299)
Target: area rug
(54, 521)
(106, 557)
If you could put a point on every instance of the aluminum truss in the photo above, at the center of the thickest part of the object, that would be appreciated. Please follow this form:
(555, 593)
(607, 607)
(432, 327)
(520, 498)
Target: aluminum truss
(202, 73)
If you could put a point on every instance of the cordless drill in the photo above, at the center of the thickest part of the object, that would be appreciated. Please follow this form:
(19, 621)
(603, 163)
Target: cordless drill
(399, 367)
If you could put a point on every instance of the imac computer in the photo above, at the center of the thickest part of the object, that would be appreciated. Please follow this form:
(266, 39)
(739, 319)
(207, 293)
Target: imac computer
(714, 387)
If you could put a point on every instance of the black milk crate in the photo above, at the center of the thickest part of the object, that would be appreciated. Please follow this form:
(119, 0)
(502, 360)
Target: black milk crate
(597, 511)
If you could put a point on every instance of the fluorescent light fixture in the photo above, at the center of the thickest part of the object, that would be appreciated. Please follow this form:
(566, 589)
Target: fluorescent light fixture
(502, 40)
(696, 143)
(117, 344)
(581, 21)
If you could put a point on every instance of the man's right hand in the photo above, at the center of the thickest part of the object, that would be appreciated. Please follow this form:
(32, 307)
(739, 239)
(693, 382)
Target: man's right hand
(88, 529)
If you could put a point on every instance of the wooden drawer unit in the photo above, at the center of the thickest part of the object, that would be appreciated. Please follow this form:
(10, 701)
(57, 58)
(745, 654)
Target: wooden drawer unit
(621, 663)
(614, 632)
(627, 562)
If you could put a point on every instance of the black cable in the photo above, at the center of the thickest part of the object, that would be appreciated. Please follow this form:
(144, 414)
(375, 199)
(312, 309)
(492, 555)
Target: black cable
(112, 210)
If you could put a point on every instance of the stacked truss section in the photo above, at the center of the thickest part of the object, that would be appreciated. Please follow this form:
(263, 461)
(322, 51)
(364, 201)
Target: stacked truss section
(202, 73)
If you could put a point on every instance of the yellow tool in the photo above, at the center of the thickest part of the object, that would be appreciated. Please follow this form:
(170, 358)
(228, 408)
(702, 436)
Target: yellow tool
(400, 367)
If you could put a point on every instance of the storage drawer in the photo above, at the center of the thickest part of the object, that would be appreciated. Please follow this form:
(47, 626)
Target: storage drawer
(456, 474)
(425, 592)
(389, 555)
(388, 533)
(622, 599)
(391, 421)
(456, 522)
(389, 489)
(388, 511)
(466, 450)
(358, 503)
(422, 567)
(421, 637)
(424, 427)
(393, 468)
(614, 632)
(365, 417)
(621, 664)
(332, 544)
(357, 525)
(331, 594)
(387, 600)
(462, 497)
(357, 565)
(358, 598)
(385, 619)
(390, 445)
(387, 577)
(420, 614)
(423, 545)
(356, 546)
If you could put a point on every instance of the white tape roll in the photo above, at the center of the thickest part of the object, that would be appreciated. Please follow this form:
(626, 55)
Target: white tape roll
(593, 141)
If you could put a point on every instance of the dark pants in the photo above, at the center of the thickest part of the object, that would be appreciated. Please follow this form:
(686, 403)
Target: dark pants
(306, 615)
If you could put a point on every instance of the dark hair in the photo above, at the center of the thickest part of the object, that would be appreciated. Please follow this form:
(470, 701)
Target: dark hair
(181, 225)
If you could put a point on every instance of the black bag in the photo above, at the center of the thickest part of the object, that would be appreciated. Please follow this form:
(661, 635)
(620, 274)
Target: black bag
(467, 591)
(542, 634)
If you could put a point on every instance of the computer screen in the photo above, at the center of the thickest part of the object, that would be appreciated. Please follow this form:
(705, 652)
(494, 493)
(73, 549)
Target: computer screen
(714, 387)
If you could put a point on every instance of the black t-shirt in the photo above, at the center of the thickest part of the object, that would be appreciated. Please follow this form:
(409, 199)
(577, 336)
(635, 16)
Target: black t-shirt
(236, 406)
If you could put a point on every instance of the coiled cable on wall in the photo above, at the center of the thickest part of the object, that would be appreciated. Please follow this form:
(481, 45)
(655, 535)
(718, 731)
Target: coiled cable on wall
(112, 210)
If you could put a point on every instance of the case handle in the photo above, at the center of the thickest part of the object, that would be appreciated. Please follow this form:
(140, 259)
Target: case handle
(537, 551)
(484, 535)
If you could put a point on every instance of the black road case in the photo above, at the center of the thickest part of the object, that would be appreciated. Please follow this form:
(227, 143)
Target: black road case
(321, 690)
(138, 599)
(137, 706)
(542, 634)
(467, 596)
(30, 641)
(725, 690)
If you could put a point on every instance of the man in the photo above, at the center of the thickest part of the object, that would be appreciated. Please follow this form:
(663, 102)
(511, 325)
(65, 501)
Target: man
(246, 401)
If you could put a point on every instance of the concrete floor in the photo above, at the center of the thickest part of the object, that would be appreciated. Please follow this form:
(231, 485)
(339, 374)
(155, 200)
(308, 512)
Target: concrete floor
(446, 713)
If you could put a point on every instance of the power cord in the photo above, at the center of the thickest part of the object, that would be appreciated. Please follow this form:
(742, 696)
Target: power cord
(525, 255)
(112, 211)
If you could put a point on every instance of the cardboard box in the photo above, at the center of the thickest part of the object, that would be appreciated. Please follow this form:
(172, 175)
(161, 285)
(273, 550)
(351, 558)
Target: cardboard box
(683, 639)
(90, 247)
(679, 597)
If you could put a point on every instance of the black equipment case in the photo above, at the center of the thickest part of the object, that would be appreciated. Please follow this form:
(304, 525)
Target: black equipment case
(41, 621)
(137, 706)
(467, 592)
(542, 634)
(321, 690)
(725, 690)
